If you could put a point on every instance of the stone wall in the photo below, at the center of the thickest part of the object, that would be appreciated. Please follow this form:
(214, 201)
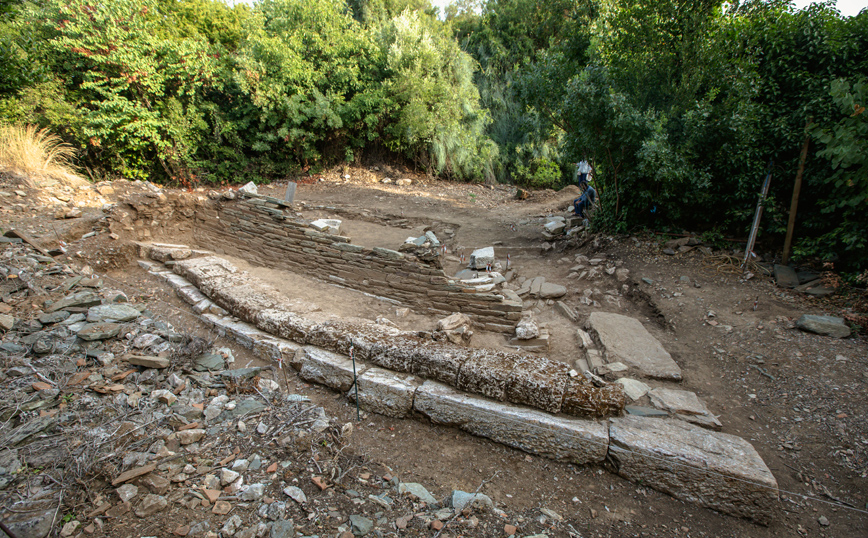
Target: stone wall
(266, 231)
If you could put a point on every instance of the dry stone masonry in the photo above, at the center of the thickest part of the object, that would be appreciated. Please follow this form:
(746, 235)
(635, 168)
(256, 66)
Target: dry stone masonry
(266, 231)
(400, 374)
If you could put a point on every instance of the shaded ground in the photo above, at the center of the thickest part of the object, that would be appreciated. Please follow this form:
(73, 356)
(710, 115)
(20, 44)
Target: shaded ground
(797, 397)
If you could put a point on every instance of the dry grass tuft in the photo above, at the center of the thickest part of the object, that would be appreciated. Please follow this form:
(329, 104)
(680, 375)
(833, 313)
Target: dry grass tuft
(36, 154)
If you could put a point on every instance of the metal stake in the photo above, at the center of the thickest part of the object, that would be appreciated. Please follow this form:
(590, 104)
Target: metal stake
(355, 381)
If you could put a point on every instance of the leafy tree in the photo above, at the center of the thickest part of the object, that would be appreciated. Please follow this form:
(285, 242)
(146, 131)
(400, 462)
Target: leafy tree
(306, 72)
(437, 120)
(137, 87)
(846, 146)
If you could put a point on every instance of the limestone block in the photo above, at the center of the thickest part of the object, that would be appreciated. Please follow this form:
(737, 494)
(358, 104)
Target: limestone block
(538, 382)
(480, 258)
(486, 372)
(436, 361)
(327, 368)
(685, 405)
(582, 398)
(385, 392)
(563, 439)
(717, 470)
(191, 295)
(624, 339)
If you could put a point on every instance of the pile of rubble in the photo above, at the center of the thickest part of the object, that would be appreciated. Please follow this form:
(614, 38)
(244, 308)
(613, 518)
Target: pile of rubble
(114, 423)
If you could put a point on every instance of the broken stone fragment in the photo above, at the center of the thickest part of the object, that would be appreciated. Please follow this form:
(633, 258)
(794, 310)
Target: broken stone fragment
(117, 313)
(148, 361)
(526, 329)
(151, 504)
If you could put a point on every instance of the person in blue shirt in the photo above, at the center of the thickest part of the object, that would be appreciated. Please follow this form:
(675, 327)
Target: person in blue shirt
(586, 200)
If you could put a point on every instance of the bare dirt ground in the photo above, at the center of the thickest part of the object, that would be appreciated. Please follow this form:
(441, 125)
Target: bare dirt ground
(797, 397)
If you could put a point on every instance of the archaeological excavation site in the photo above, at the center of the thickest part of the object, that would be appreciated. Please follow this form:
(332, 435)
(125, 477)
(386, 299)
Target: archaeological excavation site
(413, 358)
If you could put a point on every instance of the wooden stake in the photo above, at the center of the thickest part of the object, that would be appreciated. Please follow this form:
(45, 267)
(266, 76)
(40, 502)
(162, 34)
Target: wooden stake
(756, 218)
(797, 188)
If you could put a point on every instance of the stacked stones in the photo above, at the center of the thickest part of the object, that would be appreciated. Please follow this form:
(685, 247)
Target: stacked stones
(265, 231)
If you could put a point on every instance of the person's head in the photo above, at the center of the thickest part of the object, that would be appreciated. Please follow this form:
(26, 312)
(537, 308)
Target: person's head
(583, 184)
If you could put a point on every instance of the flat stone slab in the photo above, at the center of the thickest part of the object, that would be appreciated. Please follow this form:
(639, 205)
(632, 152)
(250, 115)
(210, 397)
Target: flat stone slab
(685, 405)
(825, 325)
(785, 276)
(563, 439)
(716, 470)
(385, 392)
(625, 340)
(329, 369)
(549, 290)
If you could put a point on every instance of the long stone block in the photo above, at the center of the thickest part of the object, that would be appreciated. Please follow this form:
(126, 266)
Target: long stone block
(563, 439)
(717, 470)
(538, 382)
(385, 392)
(486, 372)
(329, 369)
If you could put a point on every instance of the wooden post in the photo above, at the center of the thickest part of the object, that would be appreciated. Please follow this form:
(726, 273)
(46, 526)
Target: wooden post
(797, 188)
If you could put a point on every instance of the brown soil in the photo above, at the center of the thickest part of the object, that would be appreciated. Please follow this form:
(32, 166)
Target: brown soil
(797, 397)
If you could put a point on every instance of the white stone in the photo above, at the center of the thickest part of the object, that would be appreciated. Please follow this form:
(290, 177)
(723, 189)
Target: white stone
(632, 388)
(480, 258)
(332, 226)
(329, 369)
(717, 470)
(385, 392)
(249, 188)
(563, 439)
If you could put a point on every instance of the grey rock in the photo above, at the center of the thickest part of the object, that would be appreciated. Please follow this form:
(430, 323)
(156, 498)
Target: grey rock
(151, 504)
(254, 492)
(99, 331)
(245, 407)
(283, 529)
(685, 405)
(146, 340)
(668, 252)
(526, 329)
(453, 321)
(127, 492)
(31, 523)
(625, 340)
(817, 289)
(480, 258)
(716, 470)
(647, 281)
(563, 439)
(549, 290)
(418, 490)
(296, 494)
(114, 313)
(54, 317)
(199, 528)
(460, 499)
(82, 299)
(232, 525)
(824, 325)
(241, 374)
(785, 276)
(276, 511)
(361, 525)
(74, 318)
(209, 362)
(640, 411)
(227, 476)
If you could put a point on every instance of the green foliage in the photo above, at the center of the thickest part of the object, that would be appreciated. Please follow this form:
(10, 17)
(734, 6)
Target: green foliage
(846, 147)
(138, 89)
(437, 120)
(540, 173)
